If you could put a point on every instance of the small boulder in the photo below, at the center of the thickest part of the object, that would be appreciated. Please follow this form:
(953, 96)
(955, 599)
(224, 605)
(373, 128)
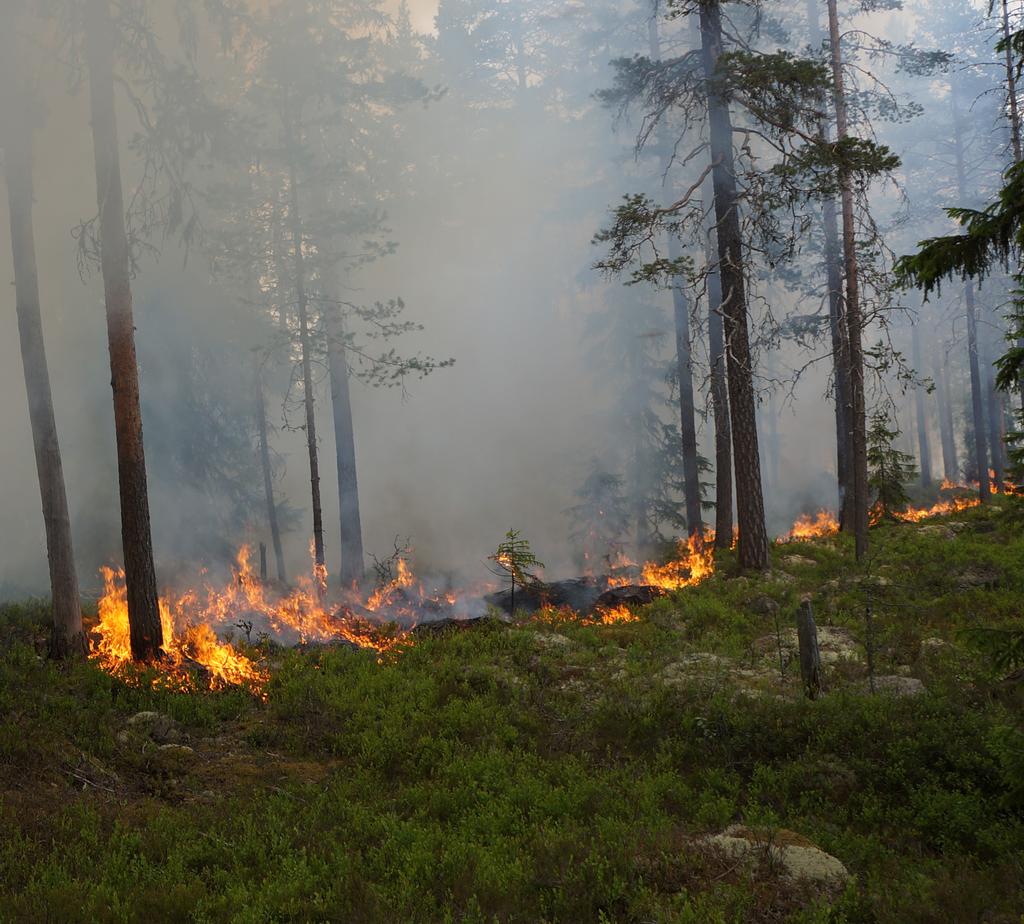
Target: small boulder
(629, 595)
(797, 561)
(159, 728)
(764, 606)
(895, 685)
(797, 857)
(551, 641)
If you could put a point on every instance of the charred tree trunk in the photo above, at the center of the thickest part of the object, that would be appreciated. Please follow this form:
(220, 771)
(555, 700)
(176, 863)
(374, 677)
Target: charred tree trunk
(306, 349)
(719, 401)
(684, 358)
(352, 561)
(950, 466)
(268, 478)
(140, 574)
(856, 423)
(753, 542)
(924, 449)
(67, 638)
(837, 325)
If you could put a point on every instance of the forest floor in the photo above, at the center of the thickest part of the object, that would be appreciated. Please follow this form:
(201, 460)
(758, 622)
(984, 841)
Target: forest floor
(551, 771)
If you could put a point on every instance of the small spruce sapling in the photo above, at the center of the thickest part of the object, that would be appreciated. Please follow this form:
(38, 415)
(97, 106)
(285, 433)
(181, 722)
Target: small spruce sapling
(889, 469)
(514, 560)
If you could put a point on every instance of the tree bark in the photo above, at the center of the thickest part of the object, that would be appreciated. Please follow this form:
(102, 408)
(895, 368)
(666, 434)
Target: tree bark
(994, 404)
(719, 399)
(67, 638)
(352, 559)
(306, 348)
(977, 404)
(924, 452)
(268, 478)
(753, 541)
(837, 324)
(977, 401)
(810, 654)
(950, 466)
(140, 574)
(1014, 113)
(856, 424)
(692, 494)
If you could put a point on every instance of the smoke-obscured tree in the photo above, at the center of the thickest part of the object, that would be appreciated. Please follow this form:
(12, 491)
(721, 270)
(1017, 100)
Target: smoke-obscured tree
(18, 117)
(733, 92)
(600, 519)
(321, 71)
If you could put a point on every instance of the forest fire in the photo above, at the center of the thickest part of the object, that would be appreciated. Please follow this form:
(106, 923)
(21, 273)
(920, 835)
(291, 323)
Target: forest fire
(812, 526)
(694, 562)
(191, 647)
(184, 645)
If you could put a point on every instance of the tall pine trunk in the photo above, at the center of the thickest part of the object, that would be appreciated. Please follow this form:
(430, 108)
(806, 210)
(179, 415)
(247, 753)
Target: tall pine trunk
(950, 465)
(352, 559)
(988, 349)
(140, 574)
(977, 399)
(856, 424)
(67, 638)
(684, 358)
(306, 350)
(268, 478)
(1013, 111)
(719, 396)
(753, 541)
(836, 323)
(924, 452)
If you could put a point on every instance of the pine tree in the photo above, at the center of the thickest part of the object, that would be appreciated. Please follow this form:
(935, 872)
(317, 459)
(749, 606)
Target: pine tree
(889, 469)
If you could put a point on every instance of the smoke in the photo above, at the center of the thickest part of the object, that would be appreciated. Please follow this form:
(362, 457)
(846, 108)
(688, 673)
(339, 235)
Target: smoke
(494, 237)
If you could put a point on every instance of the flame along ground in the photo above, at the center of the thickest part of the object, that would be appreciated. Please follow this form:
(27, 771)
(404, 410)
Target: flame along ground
(190, 619)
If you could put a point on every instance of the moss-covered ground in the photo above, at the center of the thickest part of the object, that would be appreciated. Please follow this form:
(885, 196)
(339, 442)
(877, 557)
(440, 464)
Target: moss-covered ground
(550, 771)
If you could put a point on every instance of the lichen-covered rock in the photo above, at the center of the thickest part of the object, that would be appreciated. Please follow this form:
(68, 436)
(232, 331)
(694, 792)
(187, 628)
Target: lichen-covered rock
(159, 728)
(551, 640)
(895, 685)
(797, 561)
(835, 644)
(796, 856)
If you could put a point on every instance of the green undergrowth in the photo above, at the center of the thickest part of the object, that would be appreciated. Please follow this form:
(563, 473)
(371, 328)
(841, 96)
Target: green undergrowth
(551, 771)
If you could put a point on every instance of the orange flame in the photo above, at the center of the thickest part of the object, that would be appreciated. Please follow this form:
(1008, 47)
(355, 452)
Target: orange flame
(812, 526)
(183, 644)
(694, 562)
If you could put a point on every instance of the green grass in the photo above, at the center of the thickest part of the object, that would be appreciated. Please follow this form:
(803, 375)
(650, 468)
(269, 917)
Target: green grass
(496, 775)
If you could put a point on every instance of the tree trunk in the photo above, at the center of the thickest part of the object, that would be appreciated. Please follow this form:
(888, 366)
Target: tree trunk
(977, 401)
(280, 267)
(1011, 86)
(140, 574)
(268, 478)
(837, 325)
(977, 404)
(810, 654)
(753, 542)
(306, 348)
(692, 494)
(856, 423)
(950, 466)
(719, 400)
(67, 638)
(352, 563)
(994, 401)
(924, 450)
